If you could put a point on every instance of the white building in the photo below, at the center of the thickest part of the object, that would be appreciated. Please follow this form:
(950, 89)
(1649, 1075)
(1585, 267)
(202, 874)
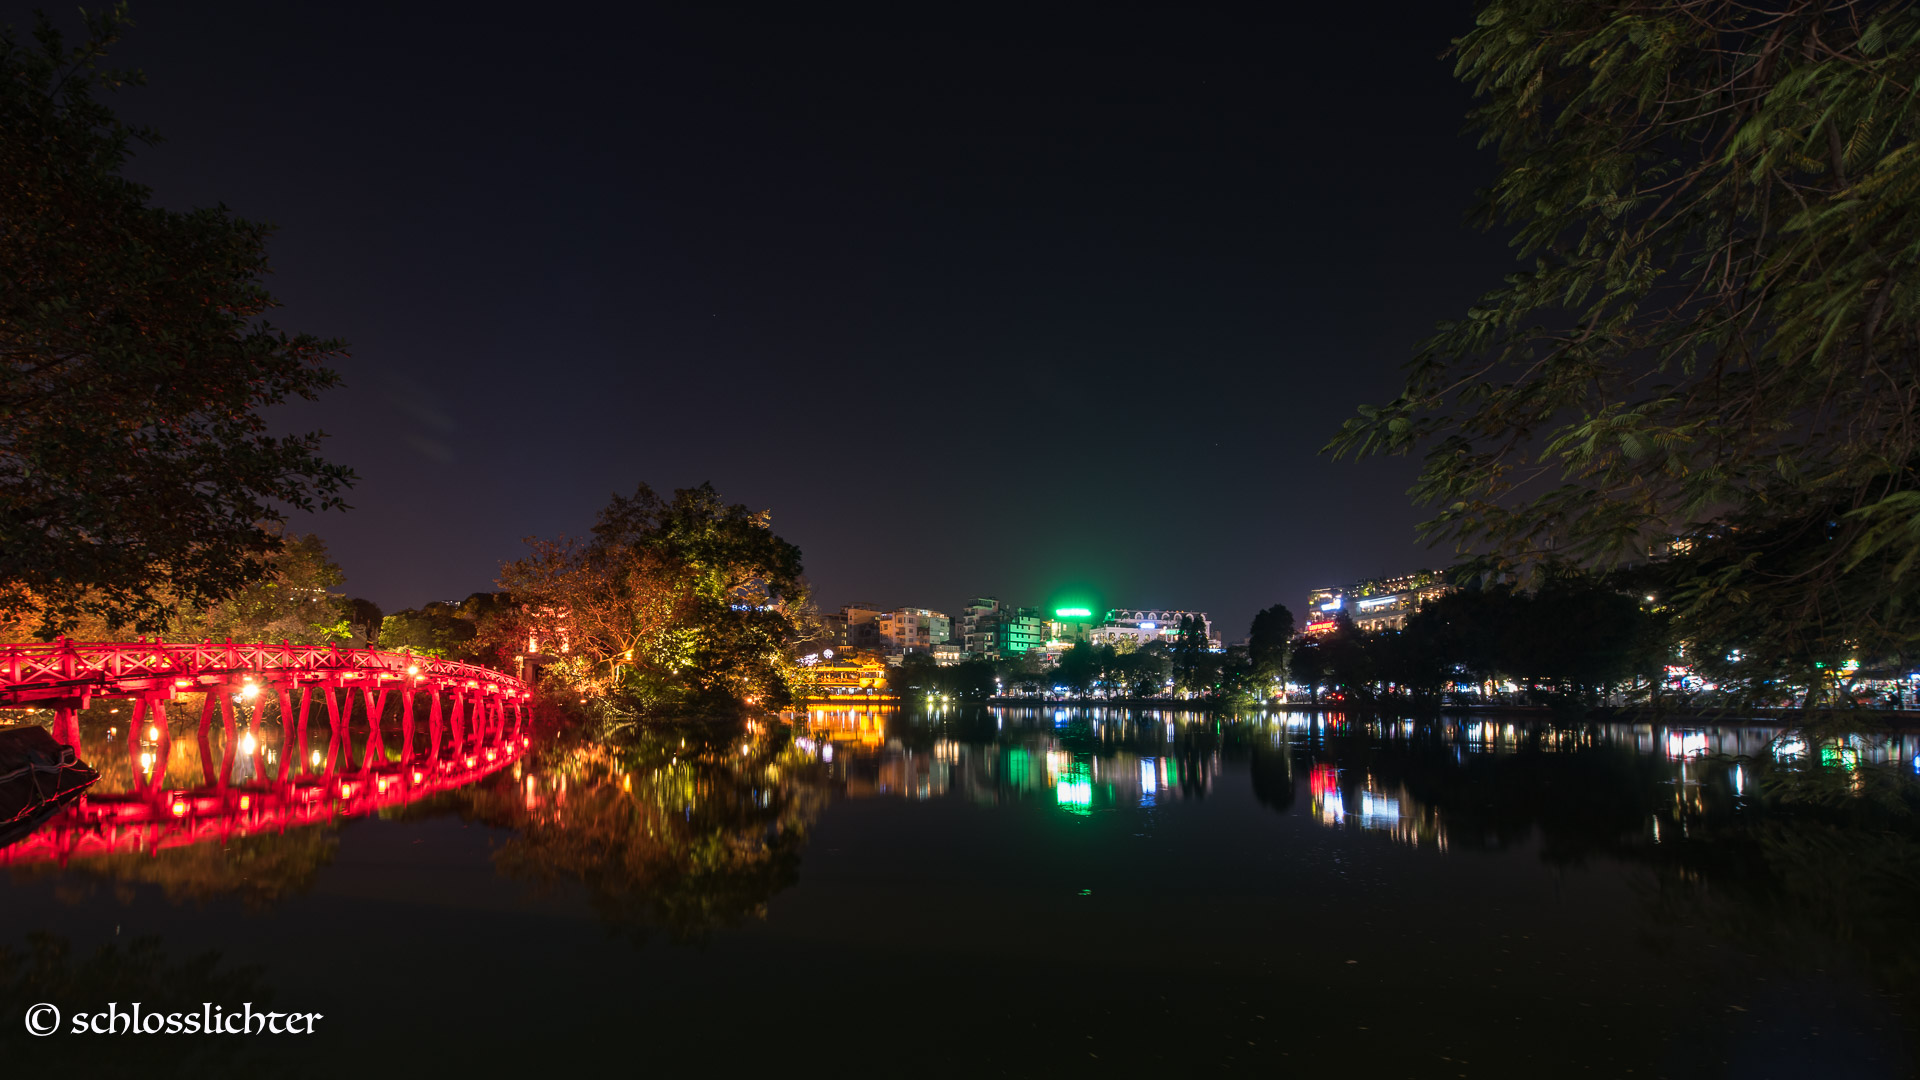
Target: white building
(1378, 604)
(1142, 626)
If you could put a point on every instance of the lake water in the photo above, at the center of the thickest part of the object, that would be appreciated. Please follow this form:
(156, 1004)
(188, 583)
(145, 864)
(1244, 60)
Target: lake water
(1004, 891)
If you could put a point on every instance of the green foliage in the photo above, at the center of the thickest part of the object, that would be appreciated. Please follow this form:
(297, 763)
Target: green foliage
(686, 603)
(1194, 666)
(364, 616)
(136, 468)
(1572, 640)
(918, 675)
(462, 631)
(1716, 331)
(293, 603)
(1307, 665)
(686, 831)
(1268, 642)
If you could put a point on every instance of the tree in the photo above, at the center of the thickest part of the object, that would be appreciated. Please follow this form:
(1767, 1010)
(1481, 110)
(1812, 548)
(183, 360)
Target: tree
(1307, 665)
(917, 674)
(1081, 667)
(483, 628)
(687, 602)
(364, 618)
(137, 473)
(1349, 665)
(1193, 666)
(1717, 333)
(1268, 641)
(295, 602)
(1142, 672)
(972, 679)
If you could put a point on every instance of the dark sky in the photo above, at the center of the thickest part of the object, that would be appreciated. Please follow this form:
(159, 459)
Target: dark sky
(976, 302)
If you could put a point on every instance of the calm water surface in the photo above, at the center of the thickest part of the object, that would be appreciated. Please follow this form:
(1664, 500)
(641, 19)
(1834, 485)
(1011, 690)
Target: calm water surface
(1000, 891)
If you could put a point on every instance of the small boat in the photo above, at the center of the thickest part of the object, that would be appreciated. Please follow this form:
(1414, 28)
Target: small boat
(38, 776)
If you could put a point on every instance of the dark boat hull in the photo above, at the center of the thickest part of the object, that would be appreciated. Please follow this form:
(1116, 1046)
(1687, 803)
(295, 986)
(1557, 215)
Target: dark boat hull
(38, 776)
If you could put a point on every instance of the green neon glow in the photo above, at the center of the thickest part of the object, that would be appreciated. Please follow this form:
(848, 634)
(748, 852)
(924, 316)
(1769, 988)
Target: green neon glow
(1073, 791)
(1072, 613)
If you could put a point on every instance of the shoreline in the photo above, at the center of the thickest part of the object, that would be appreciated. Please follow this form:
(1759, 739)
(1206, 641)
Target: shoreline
(1765, 716)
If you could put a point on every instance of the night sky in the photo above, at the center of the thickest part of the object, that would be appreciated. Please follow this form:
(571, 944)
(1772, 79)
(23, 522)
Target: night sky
(975, 303)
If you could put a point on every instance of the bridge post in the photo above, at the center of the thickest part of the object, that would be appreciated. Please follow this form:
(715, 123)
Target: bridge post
(306, 706)
(333, 724)
(286, 730)
(229, 745)
(459, 721)
(376, 745)
(133, 744)
(434, 722)
(162, 749)
(208, 770)
(66, 726)
(406, 726)
(258, 771)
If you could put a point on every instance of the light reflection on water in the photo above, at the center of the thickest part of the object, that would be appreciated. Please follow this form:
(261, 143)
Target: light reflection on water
(1090, 759)
(708, 834)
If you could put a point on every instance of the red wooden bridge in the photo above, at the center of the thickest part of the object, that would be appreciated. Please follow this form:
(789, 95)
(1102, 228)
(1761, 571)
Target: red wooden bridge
(475, 718)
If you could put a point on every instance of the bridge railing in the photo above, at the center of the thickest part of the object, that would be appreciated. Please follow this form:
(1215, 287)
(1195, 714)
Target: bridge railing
(26, 666)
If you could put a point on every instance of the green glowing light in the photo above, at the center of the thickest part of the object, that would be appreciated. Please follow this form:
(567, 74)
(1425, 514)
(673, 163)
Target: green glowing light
(1073, 791)
(1071, 613)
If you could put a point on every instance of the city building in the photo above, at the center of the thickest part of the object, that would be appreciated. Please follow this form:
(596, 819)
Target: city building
(1142, 626)
(862, 629)
(977, 621)
(1375, 604)
(905, 630)
(844, 677)
(995, 631)
(1069, 626)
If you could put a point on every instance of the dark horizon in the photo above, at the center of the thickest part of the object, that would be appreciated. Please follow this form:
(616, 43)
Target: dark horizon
(1029, 309)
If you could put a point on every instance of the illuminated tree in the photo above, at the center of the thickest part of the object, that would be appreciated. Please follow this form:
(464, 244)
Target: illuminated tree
(486, 628)
(294, 602)
(669, 603)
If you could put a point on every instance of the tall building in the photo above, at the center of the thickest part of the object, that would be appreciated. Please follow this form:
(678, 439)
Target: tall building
(863, 626)
(1377, 603)
(979, 621)
(1024, 630)
(995, 631)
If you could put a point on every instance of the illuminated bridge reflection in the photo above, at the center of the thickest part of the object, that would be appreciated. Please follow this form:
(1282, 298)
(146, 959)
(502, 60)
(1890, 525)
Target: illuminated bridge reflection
(161, 790)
